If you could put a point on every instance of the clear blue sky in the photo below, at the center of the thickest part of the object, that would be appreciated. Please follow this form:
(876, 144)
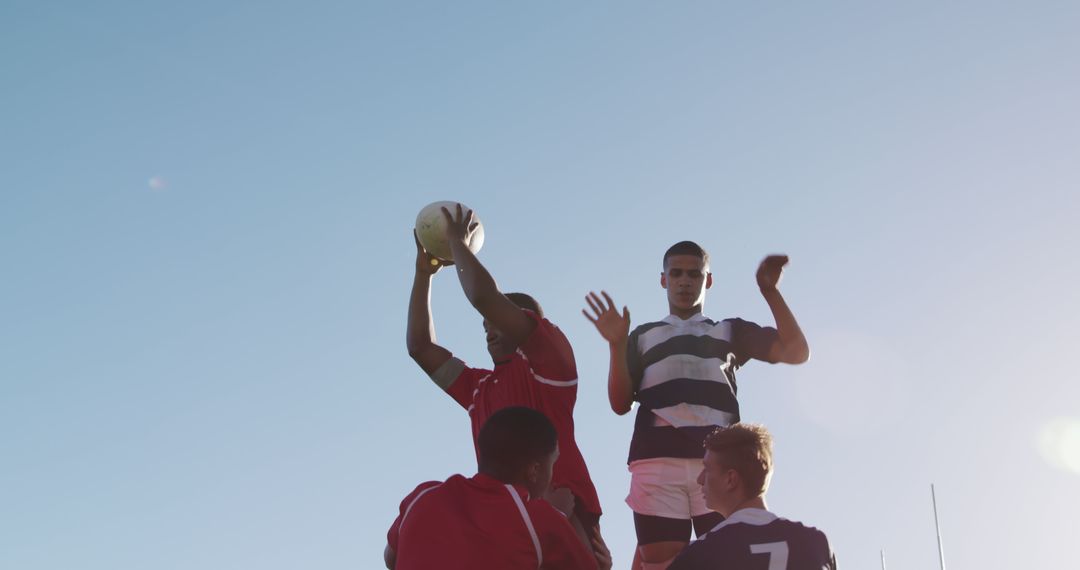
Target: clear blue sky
(205, 216)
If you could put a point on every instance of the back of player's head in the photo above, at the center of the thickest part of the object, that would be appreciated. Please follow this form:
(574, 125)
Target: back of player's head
(526, 302)
(512, 439)
(687, 248)
(746, 448)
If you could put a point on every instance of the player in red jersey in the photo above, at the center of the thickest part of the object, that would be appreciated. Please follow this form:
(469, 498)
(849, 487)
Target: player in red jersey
(492, 520)
(534, 364)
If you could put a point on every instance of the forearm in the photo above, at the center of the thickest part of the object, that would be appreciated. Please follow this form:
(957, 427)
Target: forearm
(420, 332)
(620, 387)
(793, 348)
(479, 286)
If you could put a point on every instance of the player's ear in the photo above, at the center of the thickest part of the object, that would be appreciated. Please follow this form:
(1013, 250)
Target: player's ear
(532, 473)
(708, 280)
(663, 279)
(732, 479)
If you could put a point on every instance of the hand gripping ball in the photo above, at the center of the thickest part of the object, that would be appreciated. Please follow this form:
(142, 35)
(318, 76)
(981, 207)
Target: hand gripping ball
(431, 229)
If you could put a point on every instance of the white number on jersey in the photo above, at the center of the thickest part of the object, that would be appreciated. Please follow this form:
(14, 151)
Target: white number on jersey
(777, 551)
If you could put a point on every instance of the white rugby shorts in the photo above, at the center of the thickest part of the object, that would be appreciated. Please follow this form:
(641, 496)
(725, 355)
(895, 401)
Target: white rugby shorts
(666, 487)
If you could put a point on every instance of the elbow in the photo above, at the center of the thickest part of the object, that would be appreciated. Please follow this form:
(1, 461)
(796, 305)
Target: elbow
(789, 351)
(416, 349)
(620, 408)
(798, 355)
(803, 353)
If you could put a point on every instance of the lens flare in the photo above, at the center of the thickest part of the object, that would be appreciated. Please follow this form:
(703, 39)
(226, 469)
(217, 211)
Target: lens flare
(1059, 443)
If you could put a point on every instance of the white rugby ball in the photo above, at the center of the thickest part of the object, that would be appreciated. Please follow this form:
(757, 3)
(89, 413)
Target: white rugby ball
(431, 229)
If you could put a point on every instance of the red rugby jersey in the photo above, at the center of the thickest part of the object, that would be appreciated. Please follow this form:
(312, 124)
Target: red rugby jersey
(466, 524)
(542, 375)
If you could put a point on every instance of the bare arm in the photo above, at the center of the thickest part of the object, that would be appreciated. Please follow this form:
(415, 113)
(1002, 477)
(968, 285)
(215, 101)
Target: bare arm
(790, 346)
(420, 332)
(479, 286)
(614, 327)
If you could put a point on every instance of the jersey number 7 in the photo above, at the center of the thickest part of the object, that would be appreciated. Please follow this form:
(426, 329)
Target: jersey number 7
(777, 551)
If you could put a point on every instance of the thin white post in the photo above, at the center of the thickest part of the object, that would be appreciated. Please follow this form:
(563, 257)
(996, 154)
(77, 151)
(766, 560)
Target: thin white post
(937, 527)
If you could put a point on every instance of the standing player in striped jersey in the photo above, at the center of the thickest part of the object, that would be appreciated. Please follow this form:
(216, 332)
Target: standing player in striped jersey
(494, 519)
(534, 364)
(681, 370)
(737, 468)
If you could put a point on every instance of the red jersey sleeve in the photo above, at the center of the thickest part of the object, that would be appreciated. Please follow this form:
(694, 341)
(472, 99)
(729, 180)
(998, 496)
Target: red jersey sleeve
(549, 353)
(464, 386)
(406, 504)
(561, 547)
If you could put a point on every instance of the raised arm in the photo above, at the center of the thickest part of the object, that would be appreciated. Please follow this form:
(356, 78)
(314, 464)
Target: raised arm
(420, 332)
(614, 327)
(479, 286)
(790, 346)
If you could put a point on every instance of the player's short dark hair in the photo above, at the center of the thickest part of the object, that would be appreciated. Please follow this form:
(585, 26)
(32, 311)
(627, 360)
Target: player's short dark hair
(687, 248)
(746, 448)
(526, 302)
(511, 439)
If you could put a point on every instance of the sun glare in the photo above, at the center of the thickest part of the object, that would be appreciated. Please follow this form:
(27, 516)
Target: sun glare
(1059, 442)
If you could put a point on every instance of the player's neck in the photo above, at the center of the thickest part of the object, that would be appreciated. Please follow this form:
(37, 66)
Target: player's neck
(752, 503)
(685, 313)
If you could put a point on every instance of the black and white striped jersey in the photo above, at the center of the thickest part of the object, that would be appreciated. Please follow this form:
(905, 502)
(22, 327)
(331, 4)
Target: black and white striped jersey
(684, 378)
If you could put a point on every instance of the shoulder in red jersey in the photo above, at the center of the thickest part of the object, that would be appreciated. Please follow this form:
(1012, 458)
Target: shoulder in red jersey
(549, 353)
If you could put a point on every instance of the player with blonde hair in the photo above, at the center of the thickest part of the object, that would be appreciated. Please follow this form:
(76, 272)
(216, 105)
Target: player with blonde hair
(736, 470)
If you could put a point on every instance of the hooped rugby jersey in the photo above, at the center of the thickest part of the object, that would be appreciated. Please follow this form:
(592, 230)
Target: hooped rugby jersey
(683, 373)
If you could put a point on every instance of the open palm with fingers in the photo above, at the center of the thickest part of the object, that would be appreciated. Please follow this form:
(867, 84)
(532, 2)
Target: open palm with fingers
(460, 226)
(613, 326)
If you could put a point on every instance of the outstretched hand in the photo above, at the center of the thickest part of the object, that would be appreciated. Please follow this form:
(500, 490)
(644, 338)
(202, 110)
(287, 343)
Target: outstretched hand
(769, 272)
(614, 327)
(460, 226)
(427, 264)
